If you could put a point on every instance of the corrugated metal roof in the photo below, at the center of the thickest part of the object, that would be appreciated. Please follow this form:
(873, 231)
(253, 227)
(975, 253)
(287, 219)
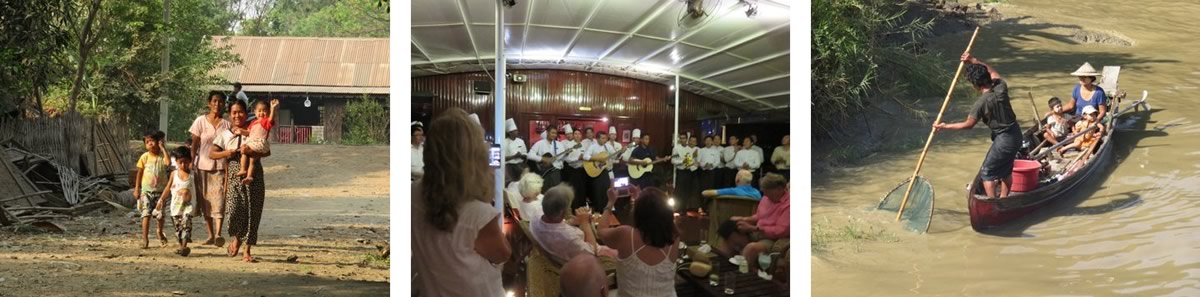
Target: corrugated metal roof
(308, 61)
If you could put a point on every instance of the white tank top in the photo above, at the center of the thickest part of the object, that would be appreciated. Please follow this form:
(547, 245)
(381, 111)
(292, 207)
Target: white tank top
(638, 279)
(178, 185)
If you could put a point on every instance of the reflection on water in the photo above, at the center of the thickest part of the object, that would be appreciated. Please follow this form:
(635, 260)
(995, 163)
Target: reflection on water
(1135, 231)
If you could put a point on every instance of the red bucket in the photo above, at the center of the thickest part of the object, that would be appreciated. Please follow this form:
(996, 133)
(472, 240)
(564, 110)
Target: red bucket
(1025, 175)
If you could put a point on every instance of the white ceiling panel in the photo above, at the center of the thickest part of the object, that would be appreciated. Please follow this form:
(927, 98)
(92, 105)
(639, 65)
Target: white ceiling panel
(645, 39)
(592, 44)
(635, 48)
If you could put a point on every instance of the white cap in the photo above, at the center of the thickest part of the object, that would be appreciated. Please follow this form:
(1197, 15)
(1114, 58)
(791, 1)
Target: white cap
(475, 118)
(637, 133)
(1089, 109)
(567, 128)
(543, 135)
(612, 130)
(511, 125)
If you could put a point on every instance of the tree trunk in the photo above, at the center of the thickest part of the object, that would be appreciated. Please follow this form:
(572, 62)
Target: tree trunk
(86, 41)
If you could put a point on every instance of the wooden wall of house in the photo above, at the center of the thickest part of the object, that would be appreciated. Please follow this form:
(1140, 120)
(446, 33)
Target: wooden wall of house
(558, 94)
(333, 119)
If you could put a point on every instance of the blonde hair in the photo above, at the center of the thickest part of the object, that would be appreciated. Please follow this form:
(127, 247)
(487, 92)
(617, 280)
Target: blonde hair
(456, 168)
(744, 177)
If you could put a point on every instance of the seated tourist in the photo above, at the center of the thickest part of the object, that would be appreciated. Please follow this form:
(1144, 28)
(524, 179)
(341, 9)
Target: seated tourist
(564, 241)
(770, 221)
(529, 188)
(732, 241)
(743, 188)
(583, 277)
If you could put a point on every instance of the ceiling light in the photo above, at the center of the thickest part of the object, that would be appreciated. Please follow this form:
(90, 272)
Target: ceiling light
(672, 88)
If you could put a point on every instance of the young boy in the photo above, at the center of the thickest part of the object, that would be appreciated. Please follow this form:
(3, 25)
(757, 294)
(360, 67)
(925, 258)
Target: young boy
(1056, 122)
(152, 179)
(259, 129)
(182, 204)
(1085, 142)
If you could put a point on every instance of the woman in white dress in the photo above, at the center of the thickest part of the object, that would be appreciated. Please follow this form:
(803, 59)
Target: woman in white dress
(458, 246)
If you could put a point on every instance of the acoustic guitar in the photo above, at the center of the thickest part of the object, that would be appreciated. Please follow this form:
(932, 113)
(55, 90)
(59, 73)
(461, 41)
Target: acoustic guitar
(546, 167)
(595, 168)
(636, 171)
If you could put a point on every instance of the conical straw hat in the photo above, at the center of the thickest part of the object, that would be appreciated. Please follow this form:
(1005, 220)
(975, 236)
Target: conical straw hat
(1086, 70)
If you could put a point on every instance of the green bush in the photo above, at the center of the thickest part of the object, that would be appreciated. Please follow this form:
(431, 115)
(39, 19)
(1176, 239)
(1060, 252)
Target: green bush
(366, 122)
(865, 50)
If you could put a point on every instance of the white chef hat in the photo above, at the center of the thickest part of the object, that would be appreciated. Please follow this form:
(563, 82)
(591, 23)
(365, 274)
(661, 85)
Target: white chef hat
(511, 125)
(567, 129)
(612, 130)
(543, 135)
(637, 133)
(475, 118)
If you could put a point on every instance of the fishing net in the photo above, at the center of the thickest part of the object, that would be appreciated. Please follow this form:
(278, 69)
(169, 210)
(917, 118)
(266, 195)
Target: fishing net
(919, 210)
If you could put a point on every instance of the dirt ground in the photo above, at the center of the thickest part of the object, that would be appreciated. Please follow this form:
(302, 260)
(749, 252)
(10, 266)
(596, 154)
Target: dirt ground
(326, 205)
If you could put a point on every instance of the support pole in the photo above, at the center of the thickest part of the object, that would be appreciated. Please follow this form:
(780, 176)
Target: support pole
(676, 135)
(498, 119)
(163, 108)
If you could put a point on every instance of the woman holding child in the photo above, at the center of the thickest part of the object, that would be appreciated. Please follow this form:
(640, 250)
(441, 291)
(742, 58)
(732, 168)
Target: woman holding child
(244, 202)
(210, 173)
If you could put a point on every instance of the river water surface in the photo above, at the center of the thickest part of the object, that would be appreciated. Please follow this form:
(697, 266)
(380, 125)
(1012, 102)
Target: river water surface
(1134, 231)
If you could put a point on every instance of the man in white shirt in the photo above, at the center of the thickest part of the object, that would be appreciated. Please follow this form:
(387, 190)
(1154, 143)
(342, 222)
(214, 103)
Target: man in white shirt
(727, 175)
(709, 162)
(562, 240)
(573, 173)
(622, 166)
(754, 139)
(681, 157)
(589, 137)
(515, 151)
(418, 151)
(691, 194)
(604, 151)
(548, 154)
(748, 159)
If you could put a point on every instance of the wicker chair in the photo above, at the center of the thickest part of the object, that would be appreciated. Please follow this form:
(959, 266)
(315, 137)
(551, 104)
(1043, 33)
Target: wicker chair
(542, 272)
(724, 207)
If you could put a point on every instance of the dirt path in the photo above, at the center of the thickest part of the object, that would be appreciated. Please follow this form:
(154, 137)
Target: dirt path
(326, 205)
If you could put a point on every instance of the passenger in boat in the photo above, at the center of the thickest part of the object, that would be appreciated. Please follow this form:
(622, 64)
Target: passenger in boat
(995, 110)
(1057, 125)
(1086, 93)
(1086, 141)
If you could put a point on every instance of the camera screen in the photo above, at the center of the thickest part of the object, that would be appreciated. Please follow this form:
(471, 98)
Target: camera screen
(494, 152)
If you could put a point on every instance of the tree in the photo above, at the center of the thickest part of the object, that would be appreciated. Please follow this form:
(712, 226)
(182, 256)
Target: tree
(36, 32)
(320, 18)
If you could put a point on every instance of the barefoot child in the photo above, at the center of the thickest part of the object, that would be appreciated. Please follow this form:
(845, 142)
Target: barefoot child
(182, 204)
(259, 129)
(152, 179)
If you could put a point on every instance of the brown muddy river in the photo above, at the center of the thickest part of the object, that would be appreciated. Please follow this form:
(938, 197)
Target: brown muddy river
(1134, 231)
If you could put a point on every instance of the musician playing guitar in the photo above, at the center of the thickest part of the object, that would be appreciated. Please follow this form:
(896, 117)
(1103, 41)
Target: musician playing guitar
(549, 153)
(643, 155)
(601, 155)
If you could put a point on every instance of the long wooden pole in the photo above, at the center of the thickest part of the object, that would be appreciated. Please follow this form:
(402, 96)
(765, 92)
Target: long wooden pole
(933, 131)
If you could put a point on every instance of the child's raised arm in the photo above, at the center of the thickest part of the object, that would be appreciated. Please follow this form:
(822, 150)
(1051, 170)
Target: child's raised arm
(274, 108)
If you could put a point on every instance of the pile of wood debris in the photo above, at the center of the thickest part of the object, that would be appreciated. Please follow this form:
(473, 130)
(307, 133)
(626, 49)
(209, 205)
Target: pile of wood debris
(37, 186)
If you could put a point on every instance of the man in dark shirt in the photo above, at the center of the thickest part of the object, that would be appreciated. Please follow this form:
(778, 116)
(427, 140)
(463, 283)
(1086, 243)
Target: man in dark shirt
(994, 109)
(639, 156)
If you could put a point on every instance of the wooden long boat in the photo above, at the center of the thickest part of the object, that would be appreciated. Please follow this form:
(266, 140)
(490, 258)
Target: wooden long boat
(987, 213)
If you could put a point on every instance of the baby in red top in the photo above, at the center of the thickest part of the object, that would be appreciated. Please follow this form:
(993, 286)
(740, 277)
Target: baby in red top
(260, 128)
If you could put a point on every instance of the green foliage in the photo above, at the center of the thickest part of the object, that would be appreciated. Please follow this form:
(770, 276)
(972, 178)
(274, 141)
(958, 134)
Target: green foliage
(865, 50)
(320, 18)
(367, 122)
(33, 33)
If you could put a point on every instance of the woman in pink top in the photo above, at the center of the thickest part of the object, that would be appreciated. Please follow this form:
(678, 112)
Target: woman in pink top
(210, 198)
(770, 221)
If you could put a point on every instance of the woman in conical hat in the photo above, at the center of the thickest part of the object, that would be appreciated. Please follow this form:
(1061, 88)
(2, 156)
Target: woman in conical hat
(1086, 93)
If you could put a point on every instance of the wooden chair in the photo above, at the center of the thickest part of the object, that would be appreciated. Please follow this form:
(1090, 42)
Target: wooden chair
(724, 207)
(542, 272)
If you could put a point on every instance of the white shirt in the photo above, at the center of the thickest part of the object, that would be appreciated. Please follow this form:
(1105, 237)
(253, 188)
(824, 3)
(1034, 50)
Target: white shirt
(678, 154)
(750, 156)
(514, 147)
(241, 95)
(596, 148)
(628, 151)
(562, 240)
(543, 147)
(727, 155)
(418, 160)
(207, 132)
(710, 156)
(531, 211)
(573, 157)
(757, 149)
(447, 261)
